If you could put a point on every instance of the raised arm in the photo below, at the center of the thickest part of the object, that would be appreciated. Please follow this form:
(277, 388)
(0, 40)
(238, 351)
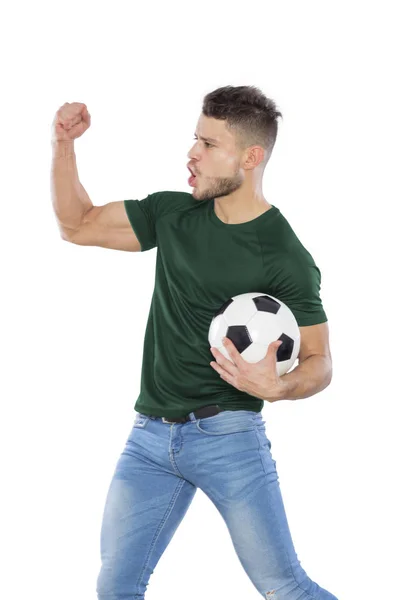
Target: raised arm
(78, 220)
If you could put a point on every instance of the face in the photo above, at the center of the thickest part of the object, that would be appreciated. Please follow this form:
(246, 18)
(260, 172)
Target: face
(215, 160)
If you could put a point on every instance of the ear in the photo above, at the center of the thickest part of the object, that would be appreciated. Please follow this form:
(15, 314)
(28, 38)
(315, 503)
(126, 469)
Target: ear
(255, 156)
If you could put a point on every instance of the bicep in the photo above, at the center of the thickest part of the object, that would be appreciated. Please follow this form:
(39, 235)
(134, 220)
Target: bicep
(107, 226)
(314, 339)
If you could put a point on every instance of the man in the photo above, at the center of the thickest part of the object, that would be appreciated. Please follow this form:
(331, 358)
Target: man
(199, 421)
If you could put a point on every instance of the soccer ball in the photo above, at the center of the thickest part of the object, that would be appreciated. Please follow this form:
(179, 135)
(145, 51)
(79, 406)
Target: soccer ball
(252, 321)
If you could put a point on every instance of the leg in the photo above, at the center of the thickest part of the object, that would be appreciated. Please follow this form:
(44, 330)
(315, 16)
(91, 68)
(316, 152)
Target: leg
(238, 474)
(145, 504)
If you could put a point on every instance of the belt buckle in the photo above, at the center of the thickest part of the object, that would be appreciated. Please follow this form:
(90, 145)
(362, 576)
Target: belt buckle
(164, 420)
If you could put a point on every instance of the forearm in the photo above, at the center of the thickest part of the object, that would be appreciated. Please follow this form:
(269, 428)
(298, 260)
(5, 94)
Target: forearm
(69, 198)
(309, 377)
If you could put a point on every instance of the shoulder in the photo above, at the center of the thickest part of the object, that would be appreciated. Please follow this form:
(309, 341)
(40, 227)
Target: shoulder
(170, 201)
(285, 243)
(159, 204)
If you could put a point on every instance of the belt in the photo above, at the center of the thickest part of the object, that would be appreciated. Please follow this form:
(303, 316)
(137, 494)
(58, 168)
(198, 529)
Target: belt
(201, 413)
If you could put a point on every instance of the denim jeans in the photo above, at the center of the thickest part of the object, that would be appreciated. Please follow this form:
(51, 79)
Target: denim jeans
(227, 456)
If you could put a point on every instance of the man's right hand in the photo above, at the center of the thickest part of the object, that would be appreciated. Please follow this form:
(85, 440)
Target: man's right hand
(70, 122)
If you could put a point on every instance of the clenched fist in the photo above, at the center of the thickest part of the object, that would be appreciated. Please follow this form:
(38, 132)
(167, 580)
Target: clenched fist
(70, 122)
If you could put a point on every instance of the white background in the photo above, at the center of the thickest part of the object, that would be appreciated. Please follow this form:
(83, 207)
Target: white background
(73, 318)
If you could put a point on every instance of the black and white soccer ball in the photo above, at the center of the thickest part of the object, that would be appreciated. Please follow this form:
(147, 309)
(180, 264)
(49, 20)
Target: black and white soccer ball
(252, 321)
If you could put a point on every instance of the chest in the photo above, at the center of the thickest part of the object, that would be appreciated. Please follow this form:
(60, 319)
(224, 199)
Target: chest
(208, 265)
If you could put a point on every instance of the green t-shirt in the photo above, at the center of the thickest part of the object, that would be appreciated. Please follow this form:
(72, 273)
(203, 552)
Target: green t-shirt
(201, 263)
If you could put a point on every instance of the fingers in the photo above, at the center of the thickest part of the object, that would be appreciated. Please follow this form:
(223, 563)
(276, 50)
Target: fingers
(273, 346)
(224, 362)
(85, 114)
(69, 123)
(72, 114)
(234, 353)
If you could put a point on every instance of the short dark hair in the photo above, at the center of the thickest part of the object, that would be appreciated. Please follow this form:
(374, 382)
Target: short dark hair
(248, 113)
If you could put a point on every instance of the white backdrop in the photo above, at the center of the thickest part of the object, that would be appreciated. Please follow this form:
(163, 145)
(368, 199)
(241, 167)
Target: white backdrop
(73, 318)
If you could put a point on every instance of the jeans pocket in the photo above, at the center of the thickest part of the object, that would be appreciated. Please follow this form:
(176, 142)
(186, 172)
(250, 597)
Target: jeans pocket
(227, 421)
(141, 421)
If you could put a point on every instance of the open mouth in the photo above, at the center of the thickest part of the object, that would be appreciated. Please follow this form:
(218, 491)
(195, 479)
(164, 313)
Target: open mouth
(192, 179)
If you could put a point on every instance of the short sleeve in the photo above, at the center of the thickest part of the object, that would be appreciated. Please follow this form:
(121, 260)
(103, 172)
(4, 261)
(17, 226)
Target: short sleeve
(299, 289)
(142, 217)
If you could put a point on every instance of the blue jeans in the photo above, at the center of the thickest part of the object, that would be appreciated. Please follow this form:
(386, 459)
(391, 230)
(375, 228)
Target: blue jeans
(227, 456)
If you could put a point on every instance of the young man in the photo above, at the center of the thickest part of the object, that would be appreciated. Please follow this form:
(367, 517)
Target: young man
(221, 240)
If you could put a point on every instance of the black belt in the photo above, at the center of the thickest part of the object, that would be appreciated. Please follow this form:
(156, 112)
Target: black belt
(201, 413)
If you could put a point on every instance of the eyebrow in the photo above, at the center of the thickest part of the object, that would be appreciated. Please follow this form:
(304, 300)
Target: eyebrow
(207, 139)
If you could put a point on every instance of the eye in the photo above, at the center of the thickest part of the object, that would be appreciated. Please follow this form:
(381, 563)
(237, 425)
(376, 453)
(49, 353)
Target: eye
(206, 143)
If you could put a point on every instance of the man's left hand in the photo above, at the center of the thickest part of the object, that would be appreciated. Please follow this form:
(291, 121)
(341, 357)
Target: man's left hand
(258, 379)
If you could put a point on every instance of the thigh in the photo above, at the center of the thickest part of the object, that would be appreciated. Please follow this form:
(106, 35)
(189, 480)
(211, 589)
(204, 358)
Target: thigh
(145, 503)
(243, 484)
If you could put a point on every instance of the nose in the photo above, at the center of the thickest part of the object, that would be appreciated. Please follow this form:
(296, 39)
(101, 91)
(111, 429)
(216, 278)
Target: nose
(192, 154)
